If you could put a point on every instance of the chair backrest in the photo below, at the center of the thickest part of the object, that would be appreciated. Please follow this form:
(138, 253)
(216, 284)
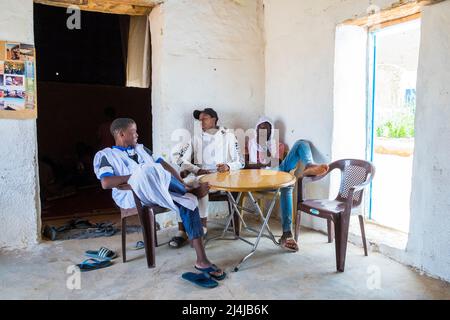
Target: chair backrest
(353, 172)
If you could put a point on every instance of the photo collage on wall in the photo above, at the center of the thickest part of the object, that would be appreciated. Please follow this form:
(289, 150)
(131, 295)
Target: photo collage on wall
(17, 80)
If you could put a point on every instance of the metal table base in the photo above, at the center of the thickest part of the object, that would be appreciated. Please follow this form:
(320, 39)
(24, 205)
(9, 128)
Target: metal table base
(260, 232)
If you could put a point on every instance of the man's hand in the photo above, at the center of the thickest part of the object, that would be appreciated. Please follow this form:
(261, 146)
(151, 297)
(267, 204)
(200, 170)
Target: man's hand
(184, 174)
(202, 172)
(223, 167)
(202, 190)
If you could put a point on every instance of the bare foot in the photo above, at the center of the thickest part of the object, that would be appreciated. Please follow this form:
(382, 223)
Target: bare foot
(202, 190)
(315, 170)
(217, 271)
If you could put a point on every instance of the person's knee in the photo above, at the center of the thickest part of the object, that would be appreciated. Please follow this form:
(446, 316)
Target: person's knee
(303, 143)
(287, 191)
(150, 171)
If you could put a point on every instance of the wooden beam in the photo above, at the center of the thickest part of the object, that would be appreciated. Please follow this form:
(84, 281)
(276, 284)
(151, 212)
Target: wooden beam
(397, 11)
(141, 3)
(128, 7)
(71, 2)
(395, 21)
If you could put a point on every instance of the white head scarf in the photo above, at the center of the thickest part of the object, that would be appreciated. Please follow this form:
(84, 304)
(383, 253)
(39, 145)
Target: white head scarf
(254, 148)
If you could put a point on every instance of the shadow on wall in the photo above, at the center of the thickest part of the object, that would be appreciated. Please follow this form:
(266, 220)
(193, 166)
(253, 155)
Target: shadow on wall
(282, 129)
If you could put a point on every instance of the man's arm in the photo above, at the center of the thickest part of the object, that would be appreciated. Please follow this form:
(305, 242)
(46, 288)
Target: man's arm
(237, 160)
(182, 157)
(172, 170)
(114, 181)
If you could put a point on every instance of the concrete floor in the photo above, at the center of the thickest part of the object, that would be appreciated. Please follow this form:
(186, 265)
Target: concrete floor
(41, 273)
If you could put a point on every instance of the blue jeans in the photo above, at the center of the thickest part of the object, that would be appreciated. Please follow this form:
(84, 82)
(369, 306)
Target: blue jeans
(176, 186)
(301, 151)
(191, 222)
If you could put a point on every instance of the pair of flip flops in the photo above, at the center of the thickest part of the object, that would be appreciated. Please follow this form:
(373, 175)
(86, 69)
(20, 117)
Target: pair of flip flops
(98, 259)
(205, 279)
(51, 232)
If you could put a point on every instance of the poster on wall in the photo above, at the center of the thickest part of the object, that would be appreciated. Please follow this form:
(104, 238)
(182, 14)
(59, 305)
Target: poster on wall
(17, 81)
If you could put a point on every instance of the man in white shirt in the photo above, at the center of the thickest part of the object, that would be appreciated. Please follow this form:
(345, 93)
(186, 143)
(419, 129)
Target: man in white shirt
(216, 149)
(154, 181)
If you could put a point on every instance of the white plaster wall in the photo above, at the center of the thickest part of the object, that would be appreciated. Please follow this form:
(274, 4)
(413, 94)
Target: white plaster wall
(350, 98)
(206, 53)
(299, 67)
(19, 200)
(429, 238)
(350, 88)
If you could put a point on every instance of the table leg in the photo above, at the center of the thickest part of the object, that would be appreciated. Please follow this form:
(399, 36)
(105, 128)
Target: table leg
(271, 206)
(230, 218)
(234, 214)
(264, 226)
(234, 204)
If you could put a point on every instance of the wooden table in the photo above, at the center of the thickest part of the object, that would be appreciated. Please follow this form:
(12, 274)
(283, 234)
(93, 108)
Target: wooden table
(248, 181)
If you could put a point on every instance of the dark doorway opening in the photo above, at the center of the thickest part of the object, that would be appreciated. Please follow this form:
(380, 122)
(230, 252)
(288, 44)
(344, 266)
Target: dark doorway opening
(81, 87)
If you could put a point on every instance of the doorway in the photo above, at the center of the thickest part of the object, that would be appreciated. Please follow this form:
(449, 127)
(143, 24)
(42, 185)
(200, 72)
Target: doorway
(393, 63)
(81, 88)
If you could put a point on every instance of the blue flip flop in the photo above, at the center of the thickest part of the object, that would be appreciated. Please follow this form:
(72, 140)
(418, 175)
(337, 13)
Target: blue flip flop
(139, 245)
(200, 279)
(93, 264)
(212, 268)
(102, 254)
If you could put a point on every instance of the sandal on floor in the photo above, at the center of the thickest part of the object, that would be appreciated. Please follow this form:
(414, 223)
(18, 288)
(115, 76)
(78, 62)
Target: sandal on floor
(93, 264)
(81, 224)
(289, 244)
(106, 230)
(177, 242)
(139, 245)
(102, 254)
(200, 280)
(213, 268)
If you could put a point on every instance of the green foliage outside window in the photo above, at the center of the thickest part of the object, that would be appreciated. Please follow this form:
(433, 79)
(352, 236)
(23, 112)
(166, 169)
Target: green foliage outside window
(400, 125)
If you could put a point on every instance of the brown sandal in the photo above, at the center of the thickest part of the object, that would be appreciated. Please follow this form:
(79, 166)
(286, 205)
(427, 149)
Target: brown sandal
(289, 244)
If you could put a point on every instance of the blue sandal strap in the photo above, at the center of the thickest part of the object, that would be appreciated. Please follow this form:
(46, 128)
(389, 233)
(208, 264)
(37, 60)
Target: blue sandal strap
(104, 252)
(212, 268)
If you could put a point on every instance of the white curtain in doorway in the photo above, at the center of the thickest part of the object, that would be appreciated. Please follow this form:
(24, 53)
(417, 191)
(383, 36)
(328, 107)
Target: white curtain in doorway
(139, 56)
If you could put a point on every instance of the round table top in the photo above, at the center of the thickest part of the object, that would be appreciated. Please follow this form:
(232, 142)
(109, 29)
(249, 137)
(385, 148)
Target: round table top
(249, 180)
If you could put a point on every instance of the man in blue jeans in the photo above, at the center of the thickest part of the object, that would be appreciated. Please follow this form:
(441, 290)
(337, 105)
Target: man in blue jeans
(262, 151)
